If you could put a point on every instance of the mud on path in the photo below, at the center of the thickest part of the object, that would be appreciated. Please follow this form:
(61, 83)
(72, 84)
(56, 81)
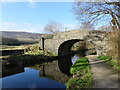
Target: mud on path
(103, 75)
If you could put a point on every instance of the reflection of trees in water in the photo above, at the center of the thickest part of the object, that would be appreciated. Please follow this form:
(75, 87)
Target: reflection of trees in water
(52, 71)
(15, 64)
(11, 70)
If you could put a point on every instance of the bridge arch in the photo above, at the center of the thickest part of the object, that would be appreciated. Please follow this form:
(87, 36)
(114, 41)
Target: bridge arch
(64, 52)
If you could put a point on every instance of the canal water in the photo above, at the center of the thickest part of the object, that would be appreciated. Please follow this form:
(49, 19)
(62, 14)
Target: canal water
(29, 79)
(74, 58)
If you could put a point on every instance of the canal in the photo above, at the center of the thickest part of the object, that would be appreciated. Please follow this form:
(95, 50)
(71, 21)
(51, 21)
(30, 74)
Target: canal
(31, 78)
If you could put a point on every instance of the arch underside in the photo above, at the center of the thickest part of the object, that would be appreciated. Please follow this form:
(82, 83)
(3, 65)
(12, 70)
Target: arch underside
(65, 53)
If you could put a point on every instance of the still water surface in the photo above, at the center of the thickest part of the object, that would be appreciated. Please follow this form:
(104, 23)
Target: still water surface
(29, 79)
(74, 58)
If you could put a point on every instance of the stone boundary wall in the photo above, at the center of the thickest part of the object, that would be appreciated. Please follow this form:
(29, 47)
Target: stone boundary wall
(12, 52)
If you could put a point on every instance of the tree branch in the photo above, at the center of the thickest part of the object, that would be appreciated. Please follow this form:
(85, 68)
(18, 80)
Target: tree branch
(113, 3)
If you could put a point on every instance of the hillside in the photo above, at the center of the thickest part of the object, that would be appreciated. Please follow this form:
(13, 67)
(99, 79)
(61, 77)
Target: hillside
(19, 38)
(13, 41)
(21, 35)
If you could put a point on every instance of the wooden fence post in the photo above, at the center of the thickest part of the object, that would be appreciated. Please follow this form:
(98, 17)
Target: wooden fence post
(43, 52)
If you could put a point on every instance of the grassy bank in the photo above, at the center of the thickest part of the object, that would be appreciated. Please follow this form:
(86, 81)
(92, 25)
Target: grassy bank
(35, 49)
(82, 77)
(112, 62)
(7, 47)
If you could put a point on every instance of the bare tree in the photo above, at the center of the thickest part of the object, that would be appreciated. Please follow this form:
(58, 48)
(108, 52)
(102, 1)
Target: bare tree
(97, 12)
(86, 26)
(53, 27)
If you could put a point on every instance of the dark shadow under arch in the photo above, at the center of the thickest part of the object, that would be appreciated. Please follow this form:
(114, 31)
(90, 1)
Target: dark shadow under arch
(64, 53)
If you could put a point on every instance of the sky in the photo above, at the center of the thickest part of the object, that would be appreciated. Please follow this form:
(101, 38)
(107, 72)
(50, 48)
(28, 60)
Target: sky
(33, 16)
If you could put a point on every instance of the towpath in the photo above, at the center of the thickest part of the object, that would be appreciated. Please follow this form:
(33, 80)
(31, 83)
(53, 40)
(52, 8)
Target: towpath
(103, 75)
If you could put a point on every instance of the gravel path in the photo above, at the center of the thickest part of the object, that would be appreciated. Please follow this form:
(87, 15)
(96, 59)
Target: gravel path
(104, 76)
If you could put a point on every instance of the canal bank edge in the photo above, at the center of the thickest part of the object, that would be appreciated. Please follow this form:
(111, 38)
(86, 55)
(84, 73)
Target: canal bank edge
(82, 76)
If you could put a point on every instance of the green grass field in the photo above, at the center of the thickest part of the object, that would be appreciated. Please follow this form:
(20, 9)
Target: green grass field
(7, 47)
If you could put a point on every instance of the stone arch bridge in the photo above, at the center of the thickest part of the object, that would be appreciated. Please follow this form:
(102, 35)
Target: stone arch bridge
(62, 42)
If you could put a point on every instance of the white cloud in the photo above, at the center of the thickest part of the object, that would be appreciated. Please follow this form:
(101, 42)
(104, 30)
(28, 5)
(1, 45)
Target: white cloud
(36, 28)
(27, 27)
(32, 3)
(9, 24)
(28, 24)
(70, 26)
(23, 30)
(17, 30)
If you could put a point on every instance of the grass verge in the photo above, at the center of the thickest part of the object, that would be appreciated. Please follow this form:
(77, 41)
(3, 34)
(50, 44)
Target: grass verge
(7, 47)
(82, 76)
(112, 62)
